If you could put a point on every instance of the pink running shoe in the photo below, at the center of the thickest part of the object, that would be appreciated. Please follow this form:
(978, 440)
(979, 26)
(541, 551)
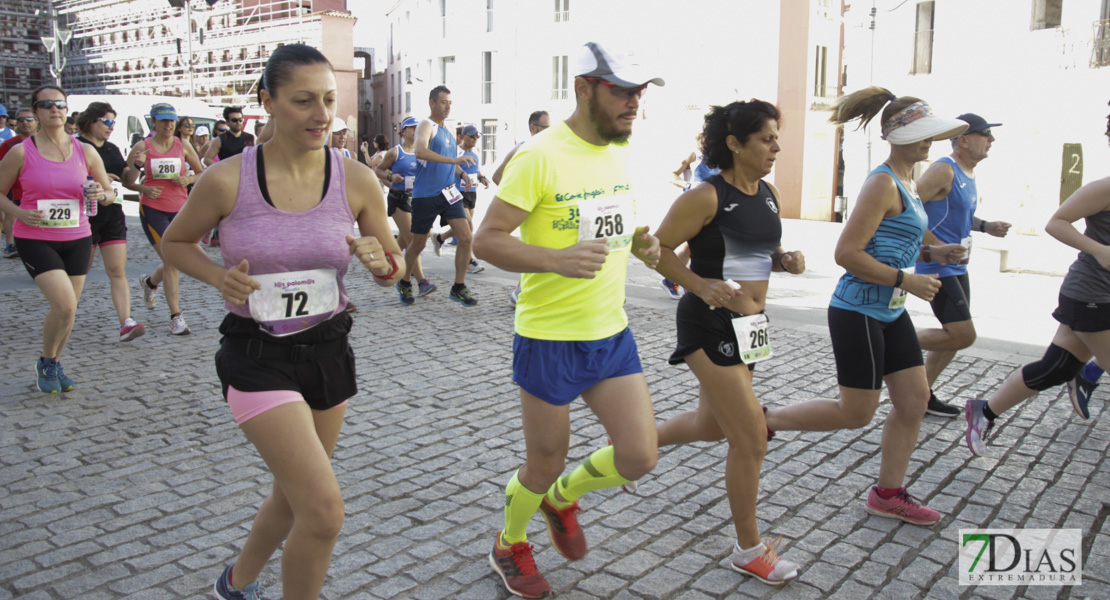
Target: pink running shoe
(902, 506)
(769, 567)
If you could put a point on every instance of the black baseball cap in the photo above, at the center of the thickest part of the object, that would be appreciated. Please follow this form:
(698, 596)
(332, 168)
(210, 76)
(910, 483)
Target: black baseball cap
(975, 123)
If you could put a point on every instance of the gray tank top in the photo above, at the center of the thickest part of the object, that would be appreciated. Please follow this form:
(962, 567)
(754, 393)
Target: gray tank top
(1086, 280)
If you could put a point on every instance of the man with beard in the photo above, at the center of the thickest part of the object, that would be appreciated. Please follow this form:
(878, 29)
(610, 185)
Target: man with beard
(948, 190)
(570, 193)
(434, 193)
(232, 141)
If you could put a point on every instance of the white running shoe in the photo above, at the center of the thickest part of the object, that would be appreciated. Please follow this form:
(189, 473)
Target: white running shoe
(178, 326)
(149, 299)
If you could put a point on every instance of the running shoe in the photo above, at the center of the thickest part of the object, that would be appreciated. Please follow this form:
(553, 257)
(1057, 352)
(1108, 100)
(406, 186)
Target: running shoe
(903, 506)
(514, 297)
(517, 569)
(769, 567)
(673, 290)
(178, 326)
(462, 296)
(437, 245)
(474, 267)
(940, 409)
(978, 427)
(46, 372)
(10, 251)
(404, 288)
(563, 529)
(222, 588)
(351, 307)
(130, 330)
(1079, 392)
(64, 383)
(425, 287)
(149, 299)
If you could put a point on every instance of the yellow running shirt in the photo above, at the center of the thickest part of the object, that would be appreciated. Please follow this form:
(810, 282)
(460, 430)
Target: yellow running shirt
(557, 176)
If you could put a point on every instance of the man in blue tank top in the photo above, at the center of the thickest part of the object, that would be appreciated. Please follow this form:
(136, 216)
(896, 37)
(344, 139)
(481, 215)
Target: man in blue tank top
(434, 193)
(950, 195)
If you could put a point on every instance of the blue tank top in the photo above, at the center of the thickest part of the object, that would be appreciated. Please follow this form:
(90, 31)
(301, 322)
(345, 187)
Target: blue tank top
(404, 165)
(432, 177)
(702, 171)
(472, 170)
(896, 243)
(950, 219)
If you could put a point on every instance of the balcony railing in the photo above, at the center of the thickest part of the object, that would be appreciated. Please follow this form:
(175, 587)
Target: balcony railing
(1100, 44)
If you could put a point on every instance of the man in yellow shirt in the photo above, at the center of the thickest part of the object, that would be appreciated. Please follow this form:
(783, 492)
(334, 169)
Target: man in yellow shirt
(569, 192)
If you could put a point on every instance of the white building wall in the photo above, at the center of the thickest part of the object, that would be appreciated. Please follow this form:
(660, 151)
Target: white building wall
(1039, 84)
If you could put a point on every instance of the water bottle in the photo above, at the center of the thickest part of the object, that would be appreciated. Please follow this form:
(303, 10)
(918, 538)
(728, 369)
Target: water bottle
(90, 204)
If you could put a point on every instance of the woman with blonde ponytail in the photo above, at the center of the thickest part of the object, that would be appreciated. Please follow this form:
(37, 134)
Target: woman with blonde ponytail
(873, 338)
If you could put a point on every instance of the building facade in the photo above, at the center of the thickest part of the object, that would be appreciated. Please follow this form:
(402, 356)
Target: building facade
(1039, 67)
(503, 60)
(215, 53)
(24, 62)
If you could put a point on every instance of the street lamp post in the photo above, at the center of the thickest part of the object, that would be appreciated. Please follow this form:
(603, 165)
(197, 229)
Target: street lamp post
(56, 44)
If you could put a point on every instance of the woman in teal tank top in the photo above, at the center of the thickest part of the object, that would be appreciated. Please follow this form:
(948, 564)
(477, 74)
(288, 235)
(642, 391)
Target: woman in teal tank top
(874, 341)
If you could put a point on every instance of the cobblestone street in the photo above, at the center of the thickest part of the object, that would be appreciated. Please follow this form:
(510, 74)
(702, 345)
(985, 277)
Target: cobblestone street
(138, 484)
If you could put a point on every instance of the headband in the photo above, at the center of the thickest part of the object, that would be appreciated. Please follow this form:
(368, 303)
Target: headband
(906, 116)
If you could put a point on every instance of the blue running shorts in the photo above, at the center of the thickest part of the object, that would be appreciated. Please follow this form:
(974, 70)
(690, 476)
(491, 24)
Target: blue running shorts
(557, 372)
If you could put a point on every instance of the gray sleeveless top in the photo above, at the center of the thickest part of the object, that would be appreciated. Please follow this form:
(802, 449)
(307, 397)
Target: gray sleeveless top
(1086, 280)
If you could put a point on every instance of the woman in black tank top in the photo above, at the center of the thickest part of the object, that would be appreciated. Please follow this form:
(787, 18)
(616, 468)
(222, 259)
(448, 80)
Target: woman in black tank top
(731, 222)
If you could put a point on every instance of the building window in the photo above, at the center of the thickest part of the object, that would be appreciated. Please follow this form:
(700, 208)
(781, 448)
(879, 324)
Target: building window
(1046, 14)
(391, 43)
(408, 102)
(489, 15)
(489, 141)
(408, 75)
(392, 86)
(446, 68)
(443, 15)
(1100, 44)
(819, 61)
(562, 11)
(923, 40)
(487, 77)
(559, 78)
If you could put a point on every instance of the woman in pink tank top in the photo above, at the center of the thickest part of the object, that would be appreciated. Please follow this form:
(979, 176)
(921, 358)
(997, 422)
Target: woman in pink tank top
(286, 211)
(163, 192)
(52, 233)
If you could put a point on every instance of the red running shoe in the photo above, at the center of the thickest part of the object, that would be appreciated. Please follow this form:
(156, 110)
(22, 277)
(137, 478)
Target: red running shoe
(518, 570)
(563, 529)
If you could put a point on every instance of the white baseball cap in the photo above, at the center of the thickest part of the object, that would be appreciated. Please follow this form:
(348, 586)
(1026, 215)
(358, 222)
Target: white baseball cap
(201, 130)
(338, 125)
(619, 69)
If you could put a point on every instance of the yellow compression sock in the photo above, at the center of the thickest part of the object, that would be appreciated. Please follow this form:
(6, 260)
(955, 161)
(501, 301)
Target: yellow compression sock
(520, 504)
(597, 472)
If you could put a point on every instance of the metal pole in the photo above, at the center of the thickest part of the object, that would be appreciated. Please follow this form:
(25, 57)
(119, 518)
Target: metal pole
(871, 79)
(189, 43)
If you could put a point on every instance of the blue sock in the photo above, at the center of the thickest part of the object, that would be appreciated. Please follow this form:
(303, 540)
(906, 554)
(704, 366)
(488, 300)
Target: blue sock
(1092, 372)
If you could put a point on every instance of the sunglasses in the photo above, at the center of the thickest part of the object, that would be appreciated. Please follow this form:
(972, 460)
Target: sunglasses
(59, 104)
(626, 93)
(187, 126)
(224, 130)
(107, 122)
(983, 132)
(25, 119)
(235, 120)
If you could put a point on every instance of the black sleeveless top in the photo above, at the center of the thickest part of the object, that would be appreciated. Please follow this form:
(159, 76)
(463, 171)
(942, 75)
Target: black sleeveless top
(740, 240)
(231, 145)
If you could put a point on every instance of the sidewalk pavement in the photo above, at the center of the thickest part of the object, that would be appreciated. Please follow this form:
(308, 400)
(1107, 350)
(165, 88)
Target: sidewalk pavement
(138, 484)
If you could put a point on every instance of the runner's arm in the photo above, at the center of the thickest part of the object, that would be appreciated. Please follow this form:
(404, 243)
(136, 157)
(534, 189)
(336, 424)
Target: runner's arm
(691, 211)
(495, 243)
(935, 183)
(368, 205)
(496, 177)
(212, 199)
(424, 132)
(1087, 201)
(96, 169)
(383, 170)
(214, 149)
